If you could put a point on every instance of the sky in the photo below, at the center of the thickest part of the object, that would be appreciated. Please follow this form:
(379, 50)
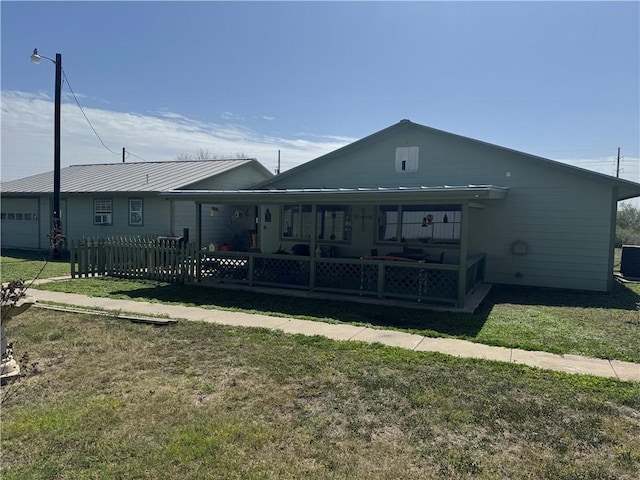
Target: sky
(160, 79)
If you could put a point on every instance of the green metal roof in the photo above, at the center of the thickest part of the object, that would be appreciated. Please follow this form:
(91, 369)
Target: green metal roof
(127, 177)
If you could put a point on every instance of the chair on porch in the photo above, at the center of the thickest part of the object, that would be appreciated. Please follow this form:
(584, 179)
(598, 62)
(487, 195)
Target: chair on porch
(440, 259)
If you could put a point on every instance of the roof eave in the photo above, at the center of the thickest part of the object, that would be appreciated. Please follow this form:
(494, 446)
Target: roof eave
(352, 196)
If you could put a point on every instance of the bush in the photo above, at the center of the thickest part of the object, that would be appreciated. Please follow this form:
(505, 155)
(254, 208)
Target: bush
(628, 226)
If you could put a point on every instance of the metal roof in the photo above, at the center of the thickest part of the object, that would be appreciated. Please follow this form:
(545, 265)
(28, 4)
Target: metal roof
(126, 177)
(354, 195)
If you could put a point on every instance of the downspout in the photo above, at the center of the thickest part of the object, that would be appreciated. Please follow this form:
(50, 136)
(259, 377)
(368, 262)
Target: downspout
(612, 238)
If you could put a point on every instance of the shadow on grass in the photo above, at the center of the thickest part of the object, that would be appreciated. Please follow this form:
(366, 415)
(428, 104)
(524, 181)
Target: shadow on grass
(621, 298)
(418, 320)
(34, 255)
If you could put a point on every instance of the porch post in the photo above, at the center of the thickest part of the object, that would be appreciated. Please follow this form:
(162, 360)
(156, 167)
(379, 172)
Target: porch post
(198, 226)
(198, 242)
(312, 248)
(464, 248)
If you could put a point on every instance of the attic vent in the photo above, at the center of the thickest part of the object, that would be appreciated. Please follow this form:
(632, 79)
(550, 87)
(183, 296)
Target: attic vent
(407, 159)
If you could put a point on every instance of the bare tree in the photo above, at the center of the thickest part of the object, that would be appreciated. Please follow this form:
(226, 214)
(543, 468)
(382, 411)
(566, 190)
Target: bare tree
(205, 154)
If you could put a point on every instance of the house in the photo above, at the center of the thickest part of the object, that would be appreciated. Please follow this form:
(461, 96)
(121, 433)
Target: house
(414, 213)
(104, 200)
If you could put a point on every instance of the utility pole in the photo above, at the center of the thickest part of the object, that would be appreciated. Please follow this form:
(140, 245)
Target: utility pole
(618, 164)
(123, 153)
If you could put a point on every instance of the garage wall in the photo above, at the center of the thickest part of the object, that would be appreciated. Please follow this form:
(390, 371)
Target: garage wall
(19, 222)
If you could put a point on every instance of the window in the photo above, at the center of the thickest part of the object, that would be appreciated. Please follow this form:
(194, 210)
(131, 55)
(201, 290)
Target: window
(18, 216)
(11, 216)
(135, 211)
(102, 211)
(407, 159)
(388, 223)
(333, 223)
(3, 216)
(27, 216)
(296, 222)
(419, 223)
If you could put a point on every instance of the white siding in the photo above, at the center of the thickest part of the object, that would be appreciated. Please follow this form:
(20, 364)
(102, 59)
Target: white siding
(183, 216)
(79, 224)
(241, 177)
(564, 217)
(20, 225)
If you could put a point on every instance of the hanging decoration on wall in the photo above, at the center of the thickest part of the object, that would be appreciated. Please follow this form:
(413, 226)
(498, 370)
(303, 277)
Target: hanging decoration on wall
(427, 220)
(362, 217)
(267, 216)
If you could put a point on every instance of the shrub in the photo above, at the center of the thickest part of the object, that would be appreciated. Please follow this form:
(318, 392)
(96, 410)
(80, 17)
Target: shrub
(628, 226)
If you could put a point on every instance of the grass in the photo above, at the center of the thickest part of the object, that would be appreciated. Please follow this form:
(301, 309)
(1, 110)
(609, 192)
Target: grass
(114, 399)
(599, 325)
(28, 265)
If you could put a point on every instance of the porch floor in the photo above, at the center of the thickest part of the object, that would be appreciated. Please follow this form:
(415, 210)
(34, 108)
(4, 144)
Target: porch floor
(473, 299)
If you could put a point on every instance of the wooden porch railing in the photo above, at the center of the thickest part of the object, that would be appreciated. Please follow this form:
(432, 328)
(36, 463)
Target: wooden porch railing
(422, 282)
(172, 261)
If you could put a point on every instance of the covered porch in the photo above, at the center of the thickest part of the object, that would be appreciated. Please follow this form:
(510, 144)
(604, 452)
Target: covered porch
(420, 245)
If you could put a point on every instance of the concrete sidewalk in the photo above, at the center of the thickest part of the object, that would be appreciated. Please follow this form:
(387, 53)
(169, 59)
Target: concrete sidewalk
(563, 363)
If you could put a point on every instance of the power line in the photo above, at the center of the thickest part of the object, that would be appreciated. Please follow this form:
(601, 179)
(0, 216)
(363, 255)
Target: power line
(134, 155)
(89, 121)
(84, 114)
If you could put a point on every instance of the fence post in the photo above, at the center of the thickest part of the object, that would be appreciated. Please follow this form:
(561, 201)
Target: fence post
(72, 256)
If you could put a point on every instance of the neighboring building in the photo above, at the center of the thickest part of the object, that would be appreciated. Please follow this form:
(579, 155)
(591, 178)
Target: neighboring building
(121, 199)
(517, 218)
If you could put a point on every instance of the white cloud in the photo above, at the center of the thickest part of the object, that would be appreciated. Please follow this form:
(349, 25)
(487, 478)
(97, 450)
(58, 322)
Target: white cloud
(27, 137)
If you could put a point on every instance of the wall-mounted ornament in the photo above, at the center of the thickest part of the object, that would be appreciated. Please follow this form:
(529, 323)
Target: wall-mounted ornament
(362, 217)
(519, 247)
(267, 216)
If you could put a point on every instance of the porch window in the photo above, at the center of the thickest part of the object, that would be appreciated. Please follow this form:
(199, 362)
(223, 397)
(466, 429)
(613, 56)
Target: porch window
(296, 222)
(333, 223)
(436, 224)
(135, 211)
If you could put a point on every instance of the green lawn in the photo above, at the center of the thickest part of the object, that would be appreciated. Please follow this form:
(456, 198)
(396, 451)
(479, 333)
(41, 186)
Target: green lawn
(585, 323)
(113, 399)
(27, 266)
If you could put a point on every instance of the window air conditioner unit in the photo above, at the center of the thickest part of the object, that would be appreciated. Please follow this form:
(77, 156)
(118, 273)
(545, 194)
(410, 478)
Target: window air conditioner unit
(103, 218)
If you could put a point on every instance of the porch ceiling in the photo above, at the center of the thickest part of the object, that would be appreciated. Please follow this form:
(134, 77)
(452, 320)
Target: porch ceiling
(344, 195)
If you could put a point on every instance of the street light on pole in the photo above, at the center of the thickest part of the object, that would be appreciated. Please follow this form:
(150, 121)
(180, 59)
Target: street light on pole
(57, 237)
